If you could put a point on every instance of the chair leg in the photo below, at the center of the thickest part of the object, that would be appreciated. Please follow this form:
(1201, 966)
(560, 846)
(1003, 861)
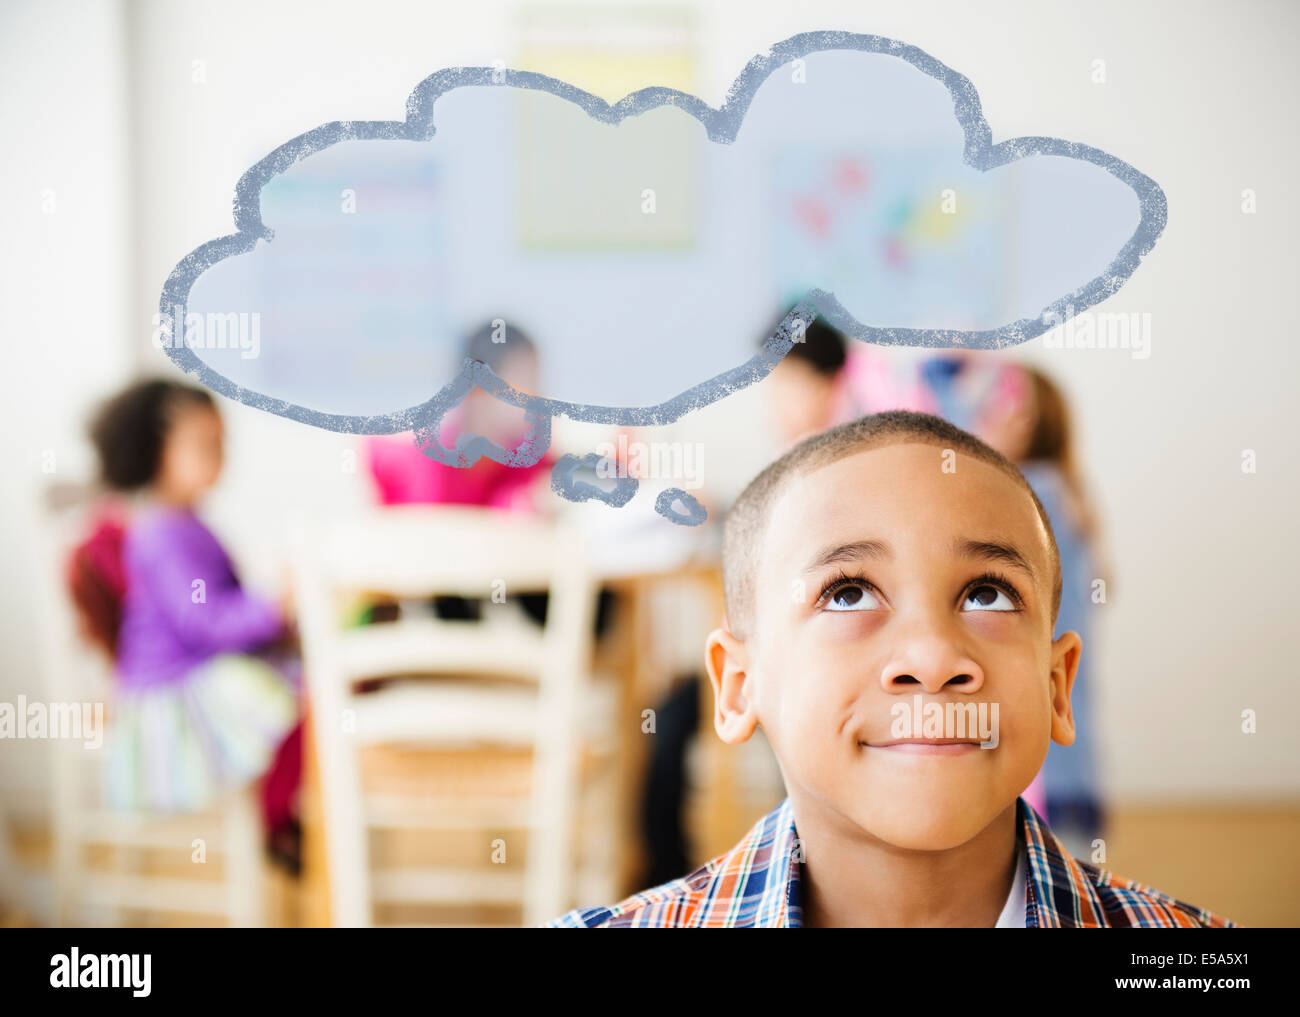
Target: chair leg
(548, 883)
(246, 901)
(65, 825)
(12, 885)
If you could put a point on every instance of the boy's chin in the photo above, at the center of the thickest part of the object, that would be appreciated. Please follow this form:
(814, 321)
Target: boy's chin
(932, 822)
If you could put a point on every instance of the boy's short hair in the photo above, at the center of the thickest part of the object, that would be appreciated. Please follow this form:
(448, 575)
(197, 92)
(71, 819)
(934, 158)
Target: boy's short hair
(745, 528)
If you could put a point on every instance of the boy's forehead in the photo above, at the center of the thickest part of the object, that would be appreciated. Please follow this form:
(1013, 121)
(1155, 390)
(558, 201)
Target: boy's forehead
(897, 492)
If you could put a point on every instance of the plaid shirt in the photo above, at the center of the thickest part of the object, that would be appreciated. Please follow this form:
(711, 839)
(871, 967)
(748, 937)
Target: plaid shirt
(757, 885)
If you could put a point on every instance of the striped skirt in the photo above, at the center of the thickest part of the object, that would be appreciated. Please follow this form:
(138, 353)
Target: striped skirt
(180, 746)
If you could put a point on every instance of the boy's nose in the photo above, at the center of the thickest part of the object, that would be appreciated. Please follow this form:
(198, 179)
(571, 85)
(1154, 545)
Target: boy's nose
(929, 661)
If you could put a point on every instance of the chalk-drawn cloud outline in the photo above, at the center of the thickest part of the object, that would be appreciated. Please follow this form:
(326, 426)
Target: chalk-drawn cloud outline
(722, 125)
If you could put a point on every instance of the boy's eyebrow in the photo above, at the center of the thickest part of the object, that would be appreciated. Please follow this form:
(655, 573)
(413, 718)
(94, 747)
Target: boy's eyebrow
(850, 552)
(855, 550)
(992, 550)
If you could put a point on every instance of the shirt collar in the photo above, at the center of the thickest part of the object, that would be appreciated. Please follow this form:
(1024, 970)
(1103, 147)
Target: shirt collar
(1059, 892)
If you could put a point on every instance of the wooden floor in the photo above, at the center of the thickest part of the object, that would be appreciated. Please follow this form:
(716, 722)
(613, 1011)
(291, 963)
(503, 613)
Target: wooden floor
(1243, 863)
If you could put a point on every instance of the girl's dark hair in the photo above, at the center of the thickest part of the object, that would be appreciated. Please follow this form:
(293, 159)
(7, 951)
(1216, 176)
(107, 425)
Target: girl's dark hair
(823, 347)
(479, 344)
(128, 430)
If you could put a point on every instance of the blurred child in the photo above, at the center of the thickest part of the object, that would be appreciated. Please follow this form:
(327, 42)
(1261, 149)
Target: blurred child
(1037, 435)
(804, 389)
(404, 475)
(203, 703)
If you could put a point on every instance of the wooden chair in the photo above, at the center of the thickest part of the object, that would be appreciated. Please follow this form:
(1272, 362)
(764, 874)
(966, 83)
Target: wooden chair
(101, 868)
(502, 681)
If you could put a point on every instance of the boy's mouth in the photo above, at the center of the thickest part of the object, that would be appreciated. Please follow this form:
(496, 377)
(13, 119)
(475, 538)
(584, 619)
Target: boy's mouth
(926, 746)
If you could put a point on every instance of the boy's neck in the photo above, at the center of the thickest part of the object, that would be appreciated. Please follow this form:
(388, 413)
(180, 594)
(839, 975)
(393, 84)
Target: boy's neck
(852, 879)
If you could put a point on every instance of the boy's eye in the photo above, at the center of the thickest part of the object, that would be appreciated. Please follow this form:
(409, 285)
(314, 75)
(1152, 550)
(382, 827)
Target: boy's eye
(988, 598)
(851, 597)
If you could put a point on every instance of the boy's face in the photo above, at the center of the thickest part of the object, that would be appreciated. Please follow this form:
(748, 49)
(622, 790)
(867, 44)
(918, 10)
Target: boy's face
(948, 597)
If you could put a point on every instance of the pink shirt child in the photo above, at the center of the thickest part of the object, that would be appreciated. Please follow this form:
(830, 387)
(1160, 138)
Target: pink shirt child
(404, 475)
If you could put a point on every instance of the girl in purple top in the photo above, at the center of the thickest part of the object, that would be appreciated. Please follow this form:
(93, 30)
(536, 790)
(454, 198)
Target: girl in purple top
(202, 703)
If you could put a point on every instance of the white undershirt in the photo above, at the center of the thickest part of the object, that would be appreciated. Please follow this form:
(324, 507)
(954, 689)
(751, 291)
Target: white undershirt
(1013, 911)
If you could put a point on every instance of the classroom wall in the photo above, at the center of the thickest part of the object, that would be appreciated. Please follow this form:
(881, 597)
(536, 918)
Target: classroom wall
(65, 286)
(1197, 95)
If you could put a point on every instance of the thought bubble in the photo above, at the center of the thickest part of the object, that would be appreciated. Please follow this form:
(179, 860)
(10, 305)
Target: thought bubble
(846, 177)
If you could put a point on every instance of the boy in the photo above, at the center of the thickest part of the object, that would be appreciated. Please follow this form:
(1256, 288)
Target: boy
(884, 580)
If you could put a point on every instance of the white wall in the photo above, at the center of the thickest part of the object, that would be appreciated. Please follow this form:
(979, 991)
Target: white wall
(64, 284)
(1198, 96)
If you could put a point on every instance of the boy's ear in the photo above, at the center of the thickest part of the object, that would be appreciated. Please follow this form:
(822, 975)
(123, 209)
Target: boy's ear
(1065, 665)
(726, 661)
